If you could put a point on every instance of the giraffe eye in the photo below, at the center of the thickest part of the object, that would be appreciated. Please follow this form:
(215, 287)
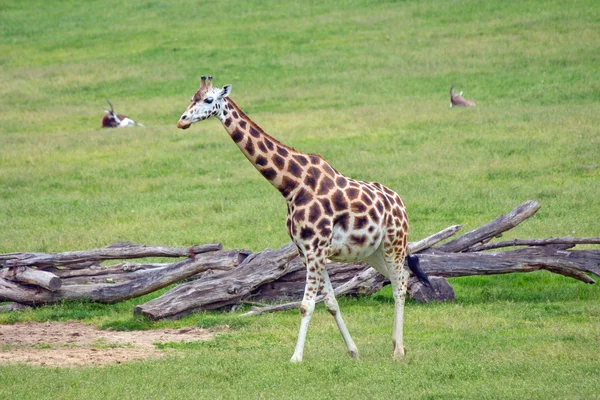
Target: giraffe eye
(208, 100)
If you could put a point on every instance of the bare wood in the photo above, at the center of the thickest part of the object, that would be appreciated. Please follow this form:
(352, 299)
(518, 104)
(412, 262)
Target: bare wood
(13, 307)
(292, 284)
(220, 289)
(492, 229)
(368, 274)
(97, 269)
(567, 240)
(82, 265)
(106, 293)
(278, 307)
(364, 276)
(226, 289)
(434, 239)
(10, 256)
(32, 276)
(574, 264)
(107, 253)
(223, 260)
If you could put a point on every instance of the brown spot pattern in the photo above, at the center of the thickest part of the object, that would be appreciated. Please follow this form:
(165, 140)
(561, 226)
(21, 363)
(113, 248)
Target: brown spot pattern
(269, 173)
(301, 159)
(249, 147)
(294, 168)
(287, 186)
(254, 132)
(237, 135)
(339, 201)
(278, 161)
(326, 186)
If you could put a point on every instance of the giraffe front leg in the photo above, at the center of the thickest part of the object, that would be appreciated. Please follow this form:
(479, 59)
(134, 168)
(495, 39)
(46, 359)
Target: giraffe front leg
(306, 309)
(399, 281)
(334, 309)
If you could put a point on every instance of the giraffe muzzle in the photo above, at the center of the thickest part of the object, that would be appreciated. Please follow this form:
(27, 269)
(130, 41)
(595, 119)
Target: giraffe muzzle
(181, 124)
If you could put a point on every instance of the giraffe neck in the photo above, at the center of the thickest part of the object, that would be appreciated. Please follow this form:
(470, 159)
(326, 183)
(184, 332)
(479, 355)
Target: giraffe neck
(284, 167)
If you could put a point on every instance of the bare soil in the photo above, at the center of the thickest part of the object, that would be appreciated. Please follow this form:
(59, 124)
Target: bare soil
(71, 344)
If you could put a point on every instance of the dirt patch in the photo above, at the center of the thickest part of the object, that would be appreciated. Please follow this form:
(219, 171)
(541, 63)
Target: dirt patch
(67, 344)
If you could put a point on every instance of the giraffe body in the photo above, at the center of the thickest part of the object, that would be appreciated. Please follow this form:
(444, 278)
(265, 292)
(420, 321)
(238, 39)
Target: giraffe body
(329, 216)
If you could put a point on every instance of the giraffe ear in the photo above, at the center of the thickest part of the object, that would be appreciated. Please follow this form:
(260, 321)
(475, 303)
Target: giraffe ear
(225, 91)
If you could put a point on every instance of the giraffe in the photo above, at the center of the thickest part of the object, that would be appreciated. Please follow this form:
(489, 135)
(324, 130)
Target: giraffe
(329, 216)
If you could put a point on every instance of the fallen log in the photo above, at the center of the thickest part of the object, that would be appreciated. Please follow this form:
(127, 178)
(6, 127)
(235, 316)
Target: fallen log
(113, 252)
(229, 288)
(492, 229)
(566, 240)
(291, 285)
(574, 264)
(367, 280)
(273, 275)
(32, 276)
(223, 260)
(13, 307)
(218, 290)
(108, 293)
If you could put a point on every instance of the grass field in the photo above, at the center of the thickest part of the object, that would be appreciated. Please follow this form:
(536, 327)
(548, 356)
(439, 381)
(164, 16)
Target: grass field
(363, 83)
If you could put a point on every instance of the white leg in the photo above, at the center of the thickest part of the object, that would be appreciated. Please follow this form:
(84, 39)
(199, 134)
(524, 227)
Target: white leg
(334, 309)
(306, 309)
(313, 279)
(399, 285)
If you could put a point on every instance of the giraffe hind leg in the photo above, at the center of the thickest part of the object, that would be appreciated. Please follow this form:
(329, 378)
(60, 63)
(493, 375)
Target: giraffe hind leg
(399, 279)
(334, 309)
(389, 261)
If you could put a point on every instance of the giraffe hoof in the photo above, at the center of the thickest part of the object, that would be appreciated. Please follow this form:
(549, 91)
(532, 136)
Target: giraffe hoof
(400, 353)
(295, 359)
(353, 354)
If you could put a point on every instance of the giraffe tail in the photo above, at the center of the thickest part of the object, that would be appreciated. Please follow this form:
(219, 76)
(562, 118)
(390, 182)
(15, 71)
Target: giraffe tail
(413, 264)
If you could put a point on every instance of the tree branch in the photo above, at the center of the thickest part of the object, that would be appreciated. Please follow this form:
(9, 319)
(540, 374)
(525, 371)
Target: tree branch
(107, 253)
(491, 229)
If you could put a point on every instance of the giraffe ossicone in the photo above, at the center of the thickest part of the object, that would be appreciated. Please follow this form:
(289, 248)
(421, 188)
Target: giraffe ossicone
(329, 216)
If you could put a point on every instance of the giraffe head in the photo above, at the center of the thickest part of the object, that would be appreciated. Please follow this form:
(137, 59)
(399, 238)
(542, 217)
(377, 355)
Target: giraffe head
(207, 101)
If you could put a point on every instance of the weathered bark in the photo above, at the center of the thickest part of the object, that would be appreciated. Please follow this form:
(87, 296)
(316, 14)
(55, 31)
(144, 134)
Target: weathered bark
(97, 269)
(367, 280)
(223, 260)
(218, 290)
(32, 276)
(108, 293)
(566, 240)
(434, 239)
(292, 284)
(490, 230)
(229, 288)
(13, 307)
(440, 290)
(273, 275)
(126, 251)
(574, 264)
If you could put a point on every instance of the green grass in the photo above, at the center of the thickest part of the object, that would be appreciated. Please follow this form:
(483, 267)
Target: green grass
(363, 83)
